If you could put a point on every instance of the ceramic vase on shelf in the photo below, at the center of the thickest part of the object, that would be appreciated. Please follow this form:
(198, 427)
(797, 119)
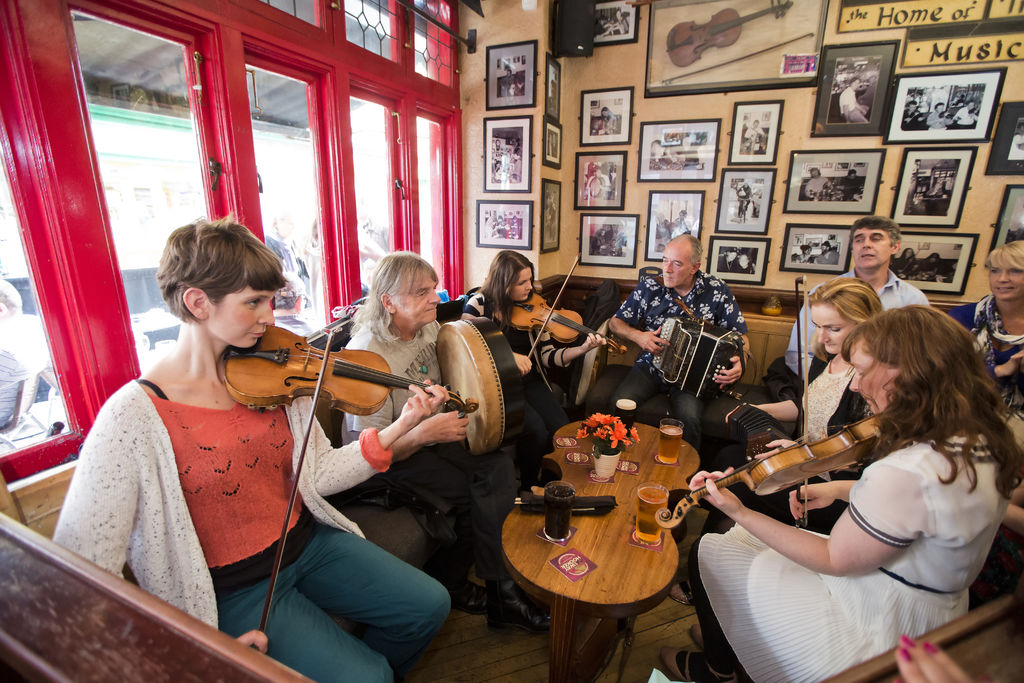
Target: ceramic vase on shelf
(605, 462)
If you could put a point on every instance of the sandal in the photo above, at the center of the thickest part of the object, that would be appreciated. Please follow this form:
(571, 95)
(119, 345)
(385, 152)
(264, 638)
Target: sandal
(691, 666)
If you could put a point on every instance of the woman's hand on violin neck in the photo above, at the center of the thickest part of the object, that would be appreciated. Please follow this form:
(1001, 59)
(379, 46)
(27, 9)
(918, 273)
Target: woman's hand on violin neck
(524, 363)
(722, 498)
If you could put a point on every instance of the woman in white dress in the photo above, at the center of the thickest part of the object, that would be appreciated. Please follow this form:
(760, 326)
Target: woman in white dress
(789, 605)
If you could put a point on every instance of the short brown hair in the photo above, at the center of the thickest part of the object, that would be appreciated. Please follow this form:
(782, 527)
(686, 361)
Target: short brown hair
(218, 257)
(877, 223)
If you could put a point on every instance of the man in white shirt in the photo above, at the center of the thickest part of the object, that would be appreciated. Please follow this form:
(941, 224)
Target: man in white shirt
(875, 239)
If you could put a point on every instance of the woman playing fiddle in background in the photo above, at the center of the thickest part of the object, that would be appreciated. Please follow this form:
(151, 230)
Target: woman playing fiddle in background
(792, 605)
(510, 281)
(190, 487)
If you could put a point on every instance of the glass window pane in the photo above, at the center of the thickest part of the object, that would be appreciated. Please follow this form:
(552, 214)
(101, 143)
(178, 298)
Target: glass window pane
(433, 47)
(373, 25)
(285, 161)
(372, 163)
(148, 156)
(431, 193)
(300, 9)
(31, 407)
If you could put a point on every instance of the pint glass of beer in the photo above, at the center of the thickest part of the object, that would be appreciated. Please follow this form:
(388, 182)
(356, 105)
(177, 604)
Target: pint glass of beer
(669, 439)
(650, 497)
(625, 409)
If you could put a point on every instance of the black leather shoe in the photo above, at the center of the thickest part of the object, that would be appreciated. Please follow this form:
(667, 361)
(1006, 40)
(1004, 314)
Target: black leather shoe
(470, 598)
(509, 607)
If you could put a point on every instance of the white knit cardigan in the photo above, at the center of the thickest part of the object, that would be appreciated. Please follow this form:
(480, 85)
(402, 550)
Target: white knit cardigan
(125, 501)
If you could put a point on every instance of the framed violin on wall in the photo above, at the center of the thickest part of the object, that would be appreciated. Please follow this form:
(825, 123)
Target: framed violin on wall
(727, 45)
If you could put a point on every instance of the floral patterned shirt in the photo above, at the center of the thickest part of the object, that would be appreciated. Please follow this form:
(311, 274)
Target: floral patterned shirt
(651, 302)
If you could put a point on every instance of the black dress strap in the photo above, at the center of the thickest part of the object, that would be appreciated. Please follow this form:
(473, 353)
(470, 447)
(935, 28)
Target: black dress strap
(156, 390)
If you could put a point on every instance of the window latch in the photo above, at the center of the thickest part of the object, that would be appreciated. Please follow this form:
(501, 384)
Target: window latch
(216, 170)
(400, 187)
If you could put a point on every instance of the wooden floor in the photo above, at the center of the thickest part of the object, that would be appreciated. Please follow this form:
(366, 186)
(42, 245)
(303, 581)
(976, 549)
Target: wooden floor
(467, 650)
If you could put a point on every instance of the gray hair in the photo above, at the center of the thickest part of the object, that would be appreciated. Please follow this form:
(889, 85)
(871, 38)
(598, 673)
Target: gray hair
(877, 223)
(696, 248)
(394, 275)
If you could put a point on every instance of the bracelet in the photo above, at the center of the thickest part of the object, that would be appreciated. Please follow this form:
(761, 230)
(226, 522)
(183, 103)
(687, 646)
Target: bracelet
(373, 452)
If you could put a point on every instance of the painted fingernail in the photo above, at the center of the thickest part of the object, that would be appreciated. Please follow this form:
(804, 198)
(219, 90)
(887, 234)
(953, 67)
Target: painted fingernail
(904, 655)
(907, 641)
(930, 649)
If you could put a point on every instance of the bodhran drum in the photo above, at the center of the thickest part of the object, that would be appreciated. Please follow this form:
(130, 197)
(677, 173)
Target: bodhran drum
(477, 362)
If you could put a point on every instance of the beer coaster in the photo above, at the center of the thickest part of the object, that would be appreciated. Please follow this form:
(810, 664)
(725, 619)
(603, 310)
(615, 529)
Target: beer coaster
(656, 547)
(573, 564)
(578, 457)
(592, 477)
(542, 535)
(566, 442)
(659, 461)
(629, 466)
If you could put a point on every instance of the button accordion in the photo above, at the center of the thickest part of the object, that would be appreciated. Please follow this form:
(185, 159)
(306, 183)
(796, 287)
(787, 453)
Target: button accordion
(696, 351)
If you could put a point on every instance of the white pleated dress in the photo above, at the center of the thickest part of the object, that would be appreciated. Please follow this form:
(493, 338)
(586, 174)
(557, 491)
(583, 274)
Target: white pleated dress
(788, 623)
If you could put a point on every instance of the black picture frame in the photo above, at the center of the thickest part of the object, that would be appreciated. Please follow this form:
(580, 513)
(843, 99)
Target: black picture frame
(816, 248)
(615, 23)
(606, 117)
(600, 181)
(552, 87)
(755, 132)
(946, 274)
(834, 181)
(931, 186)
(745, 199)
(552, 156)
(917, 98)
(1006, 156)
(671, 213)
(741, 260)
(512, 75)
(504, 224)
(508, 153)
(550, 215)
(678, 151)
(853, 89)
(609, 239)
(1010, 225)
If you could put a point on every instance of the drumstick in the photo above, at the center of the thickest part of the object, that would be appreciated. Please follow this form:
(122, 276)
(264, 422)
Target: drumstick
(551, 310)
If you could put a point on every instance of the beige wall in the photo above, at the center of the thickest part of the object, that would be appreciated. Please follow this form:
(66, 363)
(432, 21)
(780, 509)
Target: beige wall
(624, 65)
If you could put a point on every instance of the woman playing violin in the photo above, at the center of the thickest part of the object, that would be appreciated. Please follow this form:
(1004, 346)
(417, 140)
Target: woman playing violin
(791, 605)
(837, 307)
(190, 488)
(510, 282)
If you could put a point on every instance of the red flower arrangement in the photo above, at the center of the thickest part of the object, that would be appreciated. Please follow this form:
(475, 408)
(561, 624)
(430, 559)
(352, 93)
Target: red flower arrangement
(607, 432)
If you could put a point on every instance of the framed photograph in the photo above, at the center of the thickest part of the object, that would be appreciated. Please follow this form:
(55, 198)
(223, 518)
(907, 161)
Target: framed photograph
(512, 75)
(755, 132)
(608, 239)
(745, 200)
(853, 89)
(816, 249)
(1010, 227)
(770, 45)
(834, 181)
(606, 116)
(552, 144)
(931, 186)
(552, 88)
(504, 225)
(936, 263)
(600, 180)
(945, 106)
(669, 215)
(508, 146)
(615, 23)
(550, 215)
(738, 259)
(673, 151)
(1007, 154)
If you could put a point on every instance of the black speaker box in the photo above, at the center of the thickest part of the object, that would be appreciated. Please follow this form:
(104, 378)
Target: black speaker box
(574, 28)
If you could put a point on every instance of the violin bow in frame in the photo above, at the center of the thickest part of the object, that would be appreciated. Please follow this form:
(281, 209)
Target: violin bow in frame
(804, 370)
(551, 309)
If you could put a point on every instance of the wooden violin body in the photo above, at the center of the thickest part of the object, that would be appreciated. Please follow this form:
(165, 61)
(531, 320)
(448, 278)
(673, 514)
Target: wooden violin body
(788, 467)
(688, 40)
(564, 326)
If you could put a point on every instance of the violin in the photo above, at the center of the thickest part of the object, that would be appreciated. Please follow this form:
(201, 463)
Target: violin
(788, 467)
(687, 40)
(565, 325)
(283, 366)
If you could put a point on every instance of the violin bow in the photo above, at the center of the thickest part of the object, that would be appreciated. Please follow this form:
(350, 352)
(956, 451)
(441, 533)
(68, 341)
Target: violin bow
(551, 309)
(801, 335)
(279, 555)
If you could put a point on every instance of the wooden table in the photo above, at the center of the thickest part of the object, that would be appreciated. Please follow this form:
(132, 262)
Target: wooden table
(628, 580)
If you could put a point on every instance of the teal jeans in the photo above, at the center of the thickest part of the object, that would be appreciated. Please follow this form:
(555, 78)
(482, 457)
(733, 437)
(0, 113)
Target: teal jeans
(341, 573)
